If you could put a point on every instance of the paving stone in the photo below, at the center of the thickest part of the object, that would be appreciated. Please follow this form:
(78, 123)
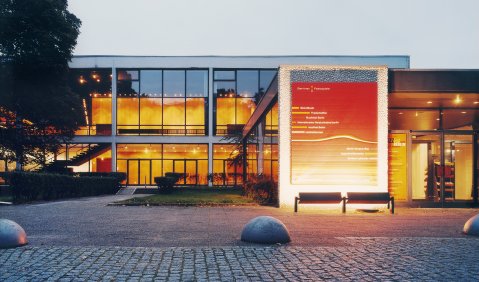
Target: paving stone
(365, 259)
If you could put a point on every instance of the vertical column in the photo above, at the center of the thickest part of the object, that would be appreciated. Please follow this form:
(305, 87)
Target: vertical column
(210, 127)
(260, 148)
(113, 118)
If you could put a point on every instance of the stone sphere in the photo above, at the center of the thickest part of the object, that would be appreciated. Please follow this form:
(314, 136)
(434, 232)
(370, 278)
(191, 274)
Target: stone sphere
(11, 234)
(472, 226)
(265, 230)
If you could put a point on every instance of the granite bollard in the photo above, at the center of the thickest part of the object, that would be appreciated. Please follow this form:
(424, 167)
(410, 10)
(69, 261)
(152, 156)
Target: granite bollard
(12, 235)
(265, 230)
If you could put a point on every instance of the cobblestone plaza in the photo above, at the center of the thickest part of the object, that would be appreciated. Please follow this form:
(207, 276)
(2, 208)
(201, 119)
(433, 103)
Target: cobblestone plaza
(363, 259)
(87, 240)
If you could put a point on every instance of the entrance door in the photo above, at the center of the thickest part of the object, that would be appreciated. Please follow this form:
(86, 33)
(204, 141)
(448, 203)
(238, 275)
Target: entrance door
(426, 156)
(442, 167)
(190, 170)
(139, 172)
(458, 167)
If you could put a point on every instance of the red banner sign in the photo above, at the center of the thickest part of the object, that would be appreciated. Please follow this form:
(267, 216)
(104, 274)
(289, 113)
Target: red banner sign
(334, 133)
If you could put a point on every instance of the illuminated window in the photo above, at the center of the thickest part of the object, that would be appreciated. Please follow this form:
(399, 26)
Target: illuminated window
(143, 162)
(226, 172)
(94, 88)
(236, 94)
(162, 102)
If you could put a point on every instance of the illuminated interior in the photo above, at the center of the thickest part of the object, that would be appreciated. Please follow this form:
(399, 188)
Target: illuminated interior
(94, 89)
(270, 161)
(236, 94)
(143, 162)
(227, 173)
(162, 102)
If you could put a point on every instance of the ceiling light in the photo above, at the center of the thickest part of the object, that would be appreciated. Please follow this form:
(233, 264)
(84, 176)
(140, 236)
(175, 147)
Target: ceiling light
(400, 113)
(476, 102)
(429, 102)
(458, 100)
(463, 112)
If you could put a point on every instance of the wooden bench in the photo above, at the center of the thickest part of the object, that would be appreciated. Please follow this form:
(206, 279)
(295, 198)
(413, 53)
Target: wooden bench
(370, 198)
(319, 198)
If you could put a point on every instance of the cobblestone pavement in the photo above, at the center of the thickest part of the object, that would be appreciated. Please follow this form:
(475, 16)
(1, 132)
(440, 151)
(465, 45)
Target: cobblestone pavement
(362, 259)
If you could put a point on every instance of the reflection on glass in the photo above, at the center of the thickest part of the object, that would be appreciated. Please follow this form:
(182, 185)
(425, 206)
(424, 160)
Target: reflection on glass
(224, 89)
(151, 83)
(224, 75)
(196, 83)
(247, 83)
(174, 83)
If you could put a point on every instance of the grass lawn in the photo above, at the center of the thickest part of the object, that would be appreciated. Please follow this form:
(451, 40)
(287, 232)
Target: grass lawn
(193, 197)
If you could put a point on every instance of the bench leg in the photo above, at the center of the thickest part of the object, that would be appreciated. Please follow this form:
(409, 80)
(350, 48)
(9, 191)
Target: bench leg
(296, 204)
(344, 205)
(392, 205)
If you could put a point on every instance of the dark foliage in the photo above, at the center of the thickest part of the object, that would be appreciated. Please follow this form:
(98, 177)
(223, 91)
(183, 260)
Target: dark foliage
(119, 176)
(27, 186)
(165, 184)
(262, 190)
(38, 112)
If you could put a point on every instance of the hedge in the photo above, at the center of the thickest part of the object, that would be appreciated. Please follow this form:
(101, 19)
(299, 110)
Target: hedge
(29, 186)
(119, 176)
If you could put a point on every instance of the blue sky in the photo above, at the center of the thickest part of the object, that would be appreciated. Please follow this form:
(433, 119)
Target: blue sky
(435, 33)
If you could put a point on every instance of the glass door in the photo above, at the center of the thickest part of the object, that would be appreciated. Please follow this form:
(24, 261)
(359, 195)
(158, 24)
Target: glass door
(425, 158)
(443, 167)
(191, 169)
(458, 167)
(179, 167)
(132, 172)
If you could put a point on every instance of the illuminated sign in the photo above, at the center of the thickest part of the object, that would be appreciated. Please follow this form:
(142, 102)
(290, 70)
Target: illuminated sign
(397, 166)
(334, 133)
(333, 129)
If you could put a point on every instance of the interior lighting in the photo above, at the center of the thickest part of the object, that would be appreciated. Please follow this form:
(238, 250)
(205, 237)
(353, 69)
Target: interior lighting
(458, 99)
(463, 112)
(400, 113)
(476, 102)
(437, 119)
(429, 102)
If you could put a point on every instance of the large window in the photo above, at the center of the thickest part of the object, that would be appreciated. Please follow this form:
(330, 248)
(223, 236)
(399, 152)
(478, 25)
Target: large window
(226, 172)
(143, 162)
(162, 102)
(94, 88)
(236, 94)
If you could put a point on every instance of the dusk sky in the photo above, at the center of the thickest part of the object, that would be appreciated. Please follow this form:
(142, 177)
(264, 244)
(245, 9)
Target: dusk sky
(435, 33)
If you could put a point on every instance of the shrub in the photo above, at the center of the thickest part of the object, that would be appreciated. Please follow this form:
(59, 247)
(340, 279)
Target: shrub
(175, 175)
(262, 190)
(28, 186)
(119, 176)
(165, 184)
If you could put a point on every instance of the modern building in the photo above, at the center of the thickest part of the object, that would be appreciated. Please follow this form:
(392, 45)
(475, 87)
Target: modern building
(147, 116)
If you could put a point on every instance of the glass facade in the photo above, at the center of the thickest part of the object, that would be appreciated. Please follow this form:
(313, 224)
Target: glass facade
(94, 88)
(441, 128)
(236, 93)
(162, 102)
(143, 162)
(227, 172)
(163, 124)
